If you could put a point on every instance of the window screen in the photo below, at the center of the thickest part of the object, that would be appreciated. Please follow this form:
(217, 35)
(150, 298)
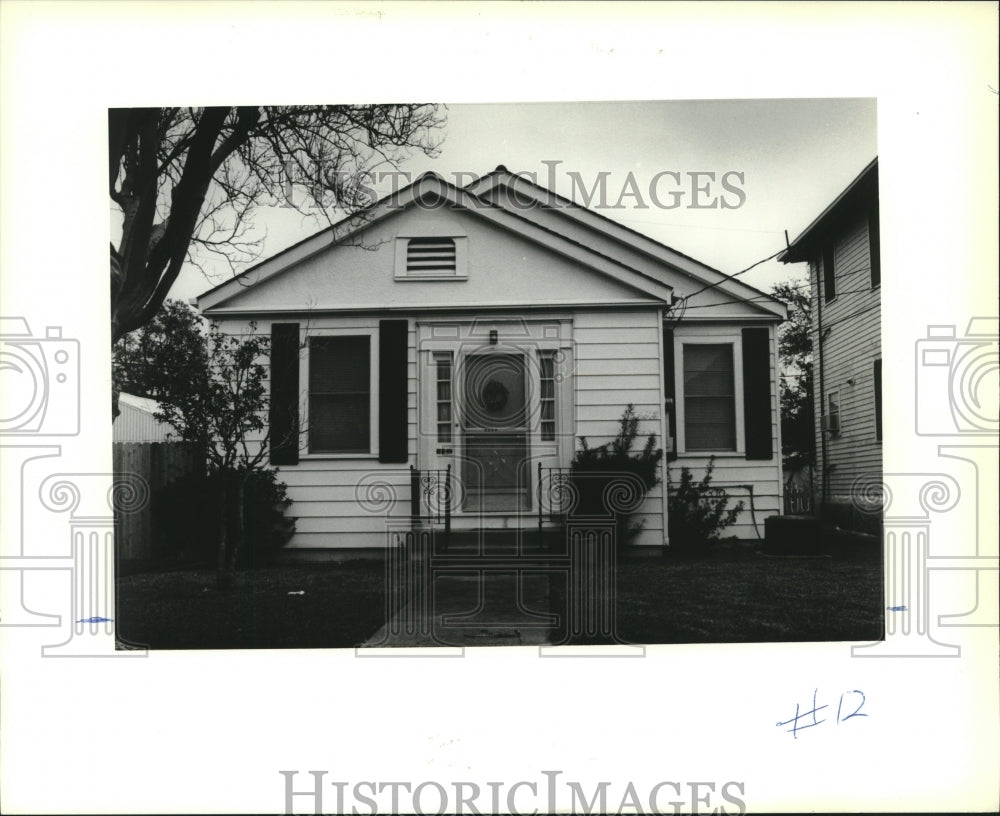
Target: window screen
(340, 394)
(709, 397)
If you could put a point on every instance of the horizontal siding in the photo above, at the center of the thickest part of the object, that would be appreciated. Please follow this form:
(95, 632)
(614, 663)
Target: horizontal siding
(735, 473)
(617, 363)
(735, 476)
(852, 345)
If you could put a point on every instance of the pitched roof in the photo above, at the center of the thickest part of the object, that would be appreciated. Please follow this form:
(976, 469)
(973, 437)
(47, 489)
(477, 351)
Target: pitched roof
(854, 198)
(474, 199)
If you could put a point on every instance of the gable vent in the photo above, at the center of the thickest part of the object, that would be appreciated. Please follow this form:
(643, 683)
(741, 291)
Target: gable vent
(430, 256)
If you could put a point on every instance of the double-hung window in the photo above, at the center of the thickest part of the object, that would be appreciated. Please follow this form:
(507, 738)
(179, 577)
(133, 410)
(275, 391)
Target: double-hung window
(709, 397)
(340, 394)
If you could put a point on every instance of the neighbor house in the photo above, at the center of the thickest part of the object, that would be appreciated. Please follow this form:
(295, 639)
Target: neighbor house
(841, 247)
(474, 335)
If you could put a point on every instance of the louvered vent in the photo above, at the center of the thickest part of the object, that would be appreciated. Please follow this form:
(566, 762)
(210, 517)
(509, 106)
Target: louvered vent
(430, 256)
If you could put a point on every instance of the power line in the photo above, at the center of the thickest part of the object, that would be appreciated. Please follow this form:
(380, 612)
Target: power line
(746, 300)
(735, 275)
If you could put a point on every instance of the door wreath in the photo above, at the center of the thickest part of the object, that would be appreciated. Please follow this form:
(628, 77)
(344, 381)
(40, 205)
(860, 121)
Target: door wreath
(495, 395)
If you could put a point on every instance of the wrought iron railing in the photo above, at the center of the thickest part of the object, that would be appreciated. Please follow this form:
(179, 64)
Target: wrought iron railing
(431, 493)
(555, 492)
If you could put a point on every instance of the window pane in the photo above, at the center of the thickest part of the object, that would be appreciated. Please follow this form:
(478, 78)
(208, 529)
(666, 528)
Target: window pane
(339, 394)
(709, 401)
(339, 423)
(704, 383)
(710, 437)
(339, 365)
(709, 409)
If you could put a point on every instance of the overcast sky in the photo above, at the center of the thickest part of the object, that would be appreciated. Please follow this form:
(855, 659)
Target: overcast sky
(794, 157)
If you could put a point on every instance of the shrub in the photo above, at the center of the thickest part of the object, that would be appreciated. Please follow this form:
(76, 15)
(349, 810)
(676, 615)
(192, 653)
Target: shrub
(698, 512)
(610, 478)
(187, 510)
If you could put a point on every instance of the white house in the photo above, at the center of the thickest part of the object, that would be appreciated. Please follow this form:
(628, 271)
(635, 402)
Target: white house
(484, 330)
(841, 246)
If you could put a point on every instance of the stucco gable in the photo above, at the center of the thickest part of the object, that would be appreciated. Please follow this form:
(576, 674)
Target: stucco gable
(513, 260)
(685, 275)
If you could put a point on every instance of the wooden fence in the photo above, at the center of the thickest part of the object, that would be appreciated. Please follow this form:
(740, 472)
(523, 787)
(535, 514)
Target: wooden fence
(157, 464)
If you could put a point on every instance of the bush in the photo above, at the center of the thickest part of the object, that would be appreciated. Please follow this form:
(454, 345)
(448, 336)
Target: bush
(609, 480)
(187, 510)
(697, 512)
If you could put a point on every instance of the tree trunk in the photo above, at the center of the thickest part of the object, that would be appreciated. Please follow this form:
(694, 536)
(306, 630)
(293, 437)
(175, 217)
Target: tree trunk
(240, 521)
(223, 578)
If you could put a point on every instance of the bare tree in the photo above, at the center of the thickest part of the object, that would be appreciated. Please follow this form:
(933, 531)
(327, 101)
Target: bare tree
(188, 180)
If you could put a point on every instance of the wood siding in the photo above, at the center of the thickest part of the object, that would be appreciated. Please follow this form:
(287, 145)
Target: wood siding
(618, 362)
(849, 351)
(757, 483)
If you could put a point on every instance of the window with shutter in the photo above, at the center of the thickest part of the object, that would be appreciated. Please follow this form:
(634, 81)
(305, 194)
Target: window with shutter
(340, 394)
(709, 397)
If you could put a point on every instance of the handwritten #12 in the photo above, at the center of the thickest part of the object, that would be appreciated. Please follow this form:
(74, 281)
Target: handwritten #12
(850, 705)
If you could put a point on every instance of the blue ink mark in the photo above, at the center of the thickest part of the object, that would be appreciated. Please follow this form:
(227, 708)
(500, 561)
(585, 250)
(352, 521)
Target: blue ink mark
(96, 619)
(896, 608)
(855, 712)
(795, 720)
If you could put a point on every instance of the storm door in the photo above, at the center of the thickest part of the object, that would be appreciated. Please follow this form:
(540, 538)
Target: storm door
(494, 416)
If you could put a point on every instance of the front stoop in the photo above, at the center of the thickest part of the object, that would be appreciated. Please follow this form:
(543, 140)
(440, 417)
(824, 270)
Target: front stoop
(465, 609)
(474, 599)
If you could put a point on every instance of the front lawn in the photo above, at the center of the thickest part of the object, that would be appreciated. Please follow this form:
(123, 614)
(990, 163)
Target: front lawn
(728, 597)
(342, 605)
(731, 598)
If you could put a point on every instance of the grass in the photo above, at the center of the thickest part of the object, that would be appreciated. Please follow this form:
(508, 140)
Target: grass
(732, 598)
(343, 605)
(727, 597)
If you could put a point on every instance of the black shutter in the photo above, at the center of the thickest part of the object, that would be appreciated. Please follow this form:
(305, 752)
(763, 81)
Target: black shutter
(284, 411)
(392, 425)
(877, 375)
(757, 393)
(669, 389)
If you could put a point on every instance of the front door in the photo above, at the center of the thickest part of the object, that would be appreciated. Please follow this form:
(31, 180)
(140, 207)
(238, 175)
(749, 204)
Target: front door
(494, 419)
